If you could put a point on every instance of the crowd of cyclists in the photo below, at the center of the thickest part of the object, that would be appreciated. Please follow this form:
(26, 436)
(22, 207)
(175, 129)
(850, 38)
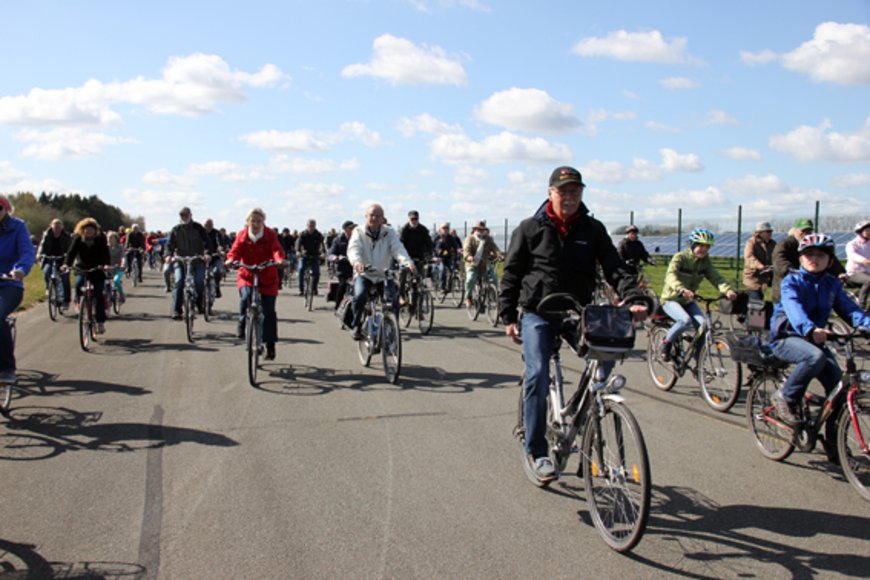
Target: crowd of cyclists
(560, 248)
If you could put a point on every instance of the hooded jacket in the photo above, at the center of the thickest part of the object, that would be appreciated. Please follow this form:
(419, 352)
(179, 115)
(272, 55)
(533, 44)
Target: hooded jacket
(377, 251)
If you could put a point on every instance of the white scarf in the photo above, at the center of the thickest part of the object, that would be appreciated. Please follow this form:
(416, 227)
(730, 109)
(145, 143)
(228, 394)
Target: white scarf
(255, 238)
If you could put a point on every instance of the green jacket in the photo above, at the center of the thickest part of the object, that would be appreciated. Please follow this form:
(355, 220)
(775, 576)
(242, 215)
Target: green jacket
(686, 270)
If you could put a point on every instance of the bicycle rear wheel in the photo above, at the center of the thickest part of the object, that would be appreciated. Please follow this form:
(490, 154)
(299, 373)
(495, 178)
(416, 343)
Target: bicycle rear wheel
(617, 476)
(720, 375)
(473, 310)
(53, 300)
(253, 349)
(491, 299)
(406, 312)
(209, 300)
(364, 344)
(84, 325)
(189, 313)
(116, 303)
(391, 347)
(854, 461)
(457, 289)
(135, 272)
(309, 290)
(425, 311)
(5, 399)
(772, 437)
(663, 374)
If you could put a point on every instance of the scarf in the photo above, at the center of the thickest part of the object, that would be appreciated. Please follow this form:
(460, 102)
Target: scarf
(561, 226)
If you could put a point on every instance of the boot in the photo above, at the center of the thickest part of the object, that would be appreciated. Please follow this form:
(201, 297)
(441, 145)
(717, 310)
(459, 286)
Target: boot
(270, 351)
(667, 350)
(241, 329)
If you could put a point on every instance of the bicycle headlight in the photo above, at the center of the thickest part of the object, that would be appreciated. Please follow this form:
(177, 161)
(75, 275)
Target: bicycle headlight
(615, 383)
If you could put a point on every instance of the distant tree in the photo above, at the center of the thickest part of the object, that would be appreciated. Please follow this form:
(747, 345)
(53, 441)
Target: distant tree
(38, 212)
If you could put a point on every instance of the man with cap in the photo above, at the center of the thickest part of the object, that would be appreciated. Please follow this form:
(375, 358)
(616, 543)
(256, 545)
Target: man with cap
(447, 249)
(556, 250)
(187, 239)
(758, 261)
(785, 256)
(338, 256)
(631, 249)
(418, 242)
(476, 250)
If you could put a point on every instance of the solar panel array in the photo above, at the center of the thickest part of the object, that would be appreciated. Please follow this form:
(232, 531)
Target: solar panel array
(727, 245)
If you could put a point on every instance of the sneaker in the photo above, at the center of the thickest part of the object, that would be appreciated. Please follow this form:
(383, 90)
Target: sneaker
(356, 334)
(544, 469)
(667, 347)
(217, 293)
(270, 351)
(101, 328)
(240, 331)
(784, 409)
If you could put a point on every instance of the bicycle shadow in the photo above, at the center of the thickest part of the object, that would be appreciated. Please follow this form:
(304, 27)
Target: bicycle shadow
(122, 346)
(304, 380)
(437, 379)
(454, 332)
(61, 429)
(19, 560)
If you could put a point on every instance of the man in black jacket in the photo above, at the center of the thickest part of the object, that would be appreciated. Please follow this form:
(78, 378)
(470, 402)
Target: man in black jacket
(631, 249)
(187, 239)
(556, 250)
(418, 242)
(309, 248)
(337, 251)
(55, 242)
(134, 247)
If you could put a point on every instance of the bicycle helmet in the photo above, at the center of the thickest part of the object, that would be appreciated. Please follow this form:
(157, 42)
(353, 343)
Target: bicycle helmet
(820, 241)
(861, 225)
(702, 236)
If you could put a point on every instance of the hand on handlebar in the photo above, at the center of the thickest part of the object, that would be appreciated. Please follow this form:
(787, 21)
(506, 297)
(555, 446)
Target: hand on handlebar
(688, 294)
(513, 331)
(820, 335)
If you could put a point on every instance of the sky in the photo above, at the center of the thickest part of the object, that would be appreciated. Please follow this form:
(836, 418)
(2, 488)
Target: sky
(459, 109)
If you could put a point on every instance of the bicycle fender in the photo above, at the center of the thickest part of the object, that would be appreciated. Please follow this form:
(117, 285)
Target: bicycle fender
(618, 399)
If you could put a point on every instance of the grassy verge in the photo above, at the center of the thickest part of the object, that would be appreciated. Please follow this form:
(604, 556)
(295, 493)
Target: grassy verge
(34, 288)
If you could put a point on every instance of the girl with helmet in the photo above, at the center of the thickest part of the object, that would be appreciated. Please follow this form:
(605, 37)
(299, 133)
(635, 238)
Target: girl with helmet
(797, 330)
(858, 260)
(685, 273)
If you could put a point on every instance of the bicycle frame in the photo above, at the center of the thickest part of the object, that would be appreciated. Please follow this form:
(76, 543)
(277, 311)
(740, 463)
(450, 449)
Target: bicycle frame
(682, 359)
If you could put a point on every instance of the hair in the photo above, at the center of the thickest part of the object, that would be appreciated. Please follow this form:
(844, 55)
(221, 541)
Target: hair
(4, 201)
(56, 221)
(253, 212)
(86, 222)
(111, 236)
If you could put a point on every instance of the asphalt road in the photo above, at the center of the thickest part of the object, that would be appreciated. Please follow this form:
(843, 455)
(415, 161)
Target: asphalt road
(153, 458)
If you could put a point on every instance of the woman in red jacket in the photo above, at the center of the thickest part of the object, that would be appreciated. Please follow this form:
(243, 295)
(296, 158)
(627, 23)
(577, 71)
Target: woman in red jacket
(256, 244)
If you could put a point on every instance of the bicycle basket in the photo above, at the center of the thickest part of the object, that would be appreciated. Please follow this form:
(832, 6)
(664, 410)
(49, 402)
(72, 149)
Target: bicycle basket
(749, 350)
(607, 331)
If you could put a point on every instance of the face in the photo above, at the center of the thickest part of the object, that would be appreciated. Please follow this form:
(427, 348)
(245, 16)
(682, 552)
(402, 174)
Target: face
(413, 220)
(865, 233)
(632, 235)
(815, 260)
(208, 224)
(804, 232)
(89, 232)
(56, 228)
(255, 222)
(701, 250)
(185, 216)
(312, 225)
(765, 235)
(566, 199)
(375, 217)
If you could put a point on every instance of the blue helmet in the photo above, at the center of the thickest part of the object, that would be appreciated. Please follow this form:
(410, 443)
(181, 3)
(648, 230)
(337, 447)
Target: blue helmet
(702, 236)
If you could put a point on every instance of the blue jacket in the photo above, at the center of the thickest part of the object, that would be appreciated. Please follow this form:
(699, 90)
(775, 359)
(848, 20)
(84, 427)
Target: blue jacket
(806, 304)
(16, 249)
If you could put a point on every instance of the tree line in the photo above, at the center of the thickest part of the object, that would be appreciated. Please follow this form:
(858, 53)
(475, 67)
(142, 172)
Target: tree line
(38, 212)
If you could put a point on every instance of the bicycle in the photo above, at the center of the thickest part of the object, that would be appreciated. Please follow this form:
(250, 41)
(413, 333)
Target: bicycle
(484, 296)
(114, 299)
(643, 284)
(604, 293)
(595, 421)
(380, 330)
(706, 354)
(6, 389)
(254, 319)
(453, 285)
(308, 289)
(846, 438)
(87, 317)
(419, 304)
(189, 293)
(55, 286)
(135, 272)
(210, 292)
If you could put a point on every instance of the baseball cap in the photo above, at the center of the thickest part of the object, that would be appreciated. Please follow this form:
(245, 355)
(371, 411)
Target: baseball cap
(413, 214)
(481, 225)
(764, 227)
(565, 174)
(803, 224)
(348, 224)
(185, 209)
(631, 228)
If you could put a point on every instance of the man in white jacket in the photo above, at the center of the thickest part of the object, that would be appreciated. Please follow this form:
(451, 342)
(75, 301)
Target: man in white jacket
(373, 245)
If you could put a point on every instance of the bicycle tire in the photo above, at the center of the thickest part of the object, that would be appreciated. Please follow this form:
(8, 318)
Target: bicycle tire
(406, 312)
(116, 303)
(53, 301)
(855, 463)
(617, 476)
(774, 441)
(720, 375)
(391, 347)
(84, 325)
(5, 398)
(309, 290)
(209, 299)
(491, 305)
(473, 310)
(135, 272)
(457, 290)
(662, 373)
(364, 344)
(251, 346)
(425, 312)
(189, 313)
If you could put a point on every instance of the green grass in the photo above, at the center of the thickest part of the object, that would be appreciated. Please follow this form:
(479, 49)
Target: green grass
(34, 288)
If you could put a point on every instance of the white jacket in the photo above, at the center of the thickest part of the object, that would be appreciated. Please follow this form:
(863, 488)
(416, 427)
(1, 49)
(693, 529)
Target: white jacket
(377, 253)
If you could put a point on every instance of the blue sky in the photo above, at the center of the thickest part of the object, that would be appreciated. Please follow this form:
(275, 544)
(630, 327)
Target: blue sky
(457, 108)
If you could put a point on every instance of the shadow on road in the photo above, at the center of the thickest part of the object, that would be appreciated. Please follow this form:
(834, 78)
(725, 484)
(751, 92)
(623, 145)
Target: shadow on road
(120, 346)
(33, 383)
(43, 432)
(19, 560)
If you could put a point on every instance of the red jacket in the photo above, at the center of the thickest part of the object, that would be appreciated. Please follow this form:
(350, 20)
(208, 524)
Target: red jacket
(268, 247)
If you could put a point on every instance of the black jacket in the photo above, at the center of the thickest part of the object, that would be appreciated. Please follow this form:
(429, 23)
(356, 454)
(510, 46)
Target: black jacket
(633, 251)
(54, 246)
(339, 248)
(187, 240)
(539, 262)
(417, 241)
(310, 243)
(90, 256)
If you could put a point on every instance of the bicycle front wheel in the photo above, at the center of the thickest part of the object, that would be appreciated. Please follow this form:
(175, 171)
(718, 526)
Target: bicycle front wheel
(5, 398)
(617, 476)
(309, 292)
(457, 290)
(53, 300)
(720, 375)
(135, 273)
(391, 347)
(84, 325)
(253, 349)
(491, 299)
(189, 310)
(364, 345)
(425, 312)
(850, 433)
(662, 372)
(772, 437)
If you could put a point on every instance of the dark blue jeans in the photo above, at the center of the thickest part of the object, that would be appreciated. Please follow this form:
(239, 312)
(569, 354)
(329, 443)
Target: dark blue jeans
(198, 284)
(270, 318)
(315, 269)
(361, 287)
(64, 279)
(810, 362)
(10, 298)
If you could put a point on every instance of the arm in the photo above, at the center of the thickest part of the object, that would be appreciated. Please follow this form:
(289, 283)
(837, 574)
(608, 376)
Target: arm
(26, 255)
(793, 308)
(716, 279)
(781, 264)
(515, 267)
(277, 250)
(751, 262)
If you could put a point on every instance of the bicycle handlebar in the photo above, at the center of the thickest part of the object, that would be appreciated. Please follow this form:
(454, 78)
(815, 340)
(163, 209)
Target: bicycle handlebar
(254, 267)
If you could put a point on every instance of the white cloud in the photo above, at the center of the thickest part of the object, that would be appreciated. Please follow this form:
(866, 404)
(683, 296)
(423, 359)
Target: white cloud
(401, 62)
(501, 148)
(299, 140)
(673, 161)
(467, 174)
(635, 47)
(212, 168)
(425, 123)
(660, 127)
(838, 53)
(299, 165)
(742, 154)
(853, 180)
(527, 110)
(65, 143)
(678, 83)
(359, 132)
(190, 85)
(808, 144)
(753, 58)
(429, 7)
(756, 185)
(164, 177)
(700, 198)
(717, 117)
(9, 174)
(615, 172)
(596, 116)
